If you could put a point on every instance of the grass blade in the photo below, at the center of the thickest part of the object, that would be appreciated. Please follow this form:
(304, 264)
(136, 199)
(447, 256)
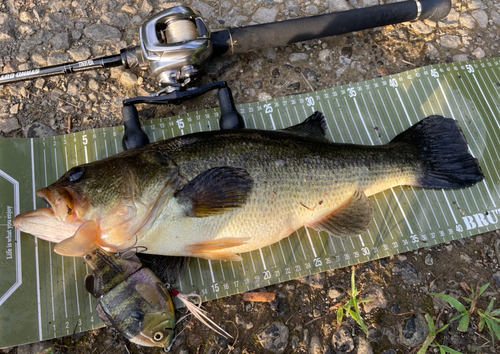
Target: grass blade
(430, 322)
(490, 327)
(449, 350)
(456, 317)
(481, 323)
(496, 312)
(354, 315)
(430, 338)
(490, 306)
(354, 291)
(359, 321)
(496, 329)
(483, 289)
(340, 316)
(468, 300)
(464, 323)
(452, 301)
(442, 328)
(347, 307)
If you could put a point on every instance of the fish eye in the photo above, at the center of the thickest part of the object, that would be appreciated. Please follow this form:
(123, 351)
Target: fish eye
(75, 174)
(158, 336)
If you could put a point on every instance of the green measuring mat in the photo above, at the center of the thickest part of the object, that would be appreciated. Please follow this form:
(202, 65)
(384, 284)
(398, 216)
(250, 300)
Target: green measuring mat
(42, 294)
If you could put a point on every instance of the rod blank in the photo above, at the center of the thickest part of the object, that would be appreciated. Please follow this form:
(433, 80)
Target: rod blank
(68, 68)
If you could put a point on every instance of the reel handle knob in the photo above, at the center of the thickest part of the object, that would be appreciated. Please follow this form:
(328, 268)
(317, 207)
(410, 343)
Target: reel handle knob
(134, 136)
(230, 118)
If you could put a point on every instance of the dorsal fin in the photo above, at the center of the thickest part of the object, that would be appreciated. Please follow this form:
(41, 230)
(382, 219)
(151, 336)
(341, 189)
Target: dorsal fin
(313, 126)
(80, 243)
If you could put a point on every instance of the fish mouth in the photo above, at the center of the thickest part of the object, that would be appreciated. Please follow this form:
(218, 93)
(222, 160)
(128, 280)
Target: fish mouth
(55, 223)
(61, 201)
(44, 224)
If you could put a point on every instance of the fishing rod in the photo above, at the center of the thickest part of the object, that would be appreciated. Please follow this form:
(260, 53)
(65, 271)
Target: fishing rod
(175, 43)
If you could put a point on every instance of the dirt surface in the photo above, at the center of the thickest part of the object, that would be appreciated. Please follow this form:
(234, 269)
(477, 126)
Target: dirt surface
(302, 319)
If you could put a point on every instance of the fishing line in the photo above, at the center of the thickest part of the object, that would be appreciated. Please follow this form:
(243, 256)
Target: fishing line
(133, 249)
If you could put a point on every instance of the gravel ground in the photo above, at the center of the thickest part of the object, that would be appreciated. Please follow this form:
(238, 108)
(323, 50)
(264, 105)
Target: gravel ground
(302, 319)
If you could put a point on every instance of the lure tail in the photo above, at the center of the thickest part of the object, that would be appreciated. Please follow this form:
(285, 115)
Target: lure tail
(446, 161)
(168, 268)
(199, 313)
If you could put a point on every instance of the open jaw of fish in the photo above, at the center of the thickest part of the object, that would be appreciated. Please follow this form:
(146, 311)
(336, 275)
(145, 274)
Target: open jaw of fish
(216, 194)
(60, 215)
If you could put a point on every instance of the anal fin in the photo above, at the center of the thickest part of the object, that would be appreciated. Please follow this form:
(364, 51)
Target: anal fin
(350, 219)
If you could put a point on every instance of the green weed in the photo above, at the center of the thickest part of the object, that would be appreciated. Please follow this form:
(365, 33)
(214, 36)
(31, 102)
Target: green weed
(487, 317)
(352, 306)
(430, 341)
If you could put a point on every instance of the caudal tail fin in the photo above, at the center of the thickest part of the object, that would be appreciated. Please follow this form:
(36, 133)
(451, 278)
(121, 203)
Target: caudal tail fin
(446, 160)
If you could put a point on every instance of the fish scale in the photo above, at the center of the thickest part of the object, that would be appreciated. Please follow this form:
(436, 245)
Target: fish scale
(285, 195)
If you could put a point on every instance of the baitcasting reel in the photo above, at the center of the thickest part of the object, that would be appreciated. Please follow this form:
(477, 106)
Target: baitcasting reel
(174, 43)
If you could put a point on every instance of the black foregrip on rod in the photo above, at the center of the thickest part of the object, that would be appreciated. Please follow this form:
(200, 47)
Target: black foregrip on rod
(68, 68)
(275, 34)
(434, 10)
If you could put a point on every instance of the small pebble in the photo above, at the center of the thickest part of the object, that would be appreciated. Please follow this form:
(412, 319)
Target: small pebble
(428, 259)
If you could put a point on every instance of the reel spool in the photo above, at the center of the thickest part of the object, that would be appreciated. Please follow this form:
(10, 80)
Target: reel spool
(178, 31)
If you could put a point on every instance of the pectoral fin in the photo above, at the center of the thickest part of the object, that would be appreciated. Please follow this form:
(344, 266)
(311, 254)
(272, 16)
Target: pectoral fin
(351, 219)
(215, 191)
(81, 242)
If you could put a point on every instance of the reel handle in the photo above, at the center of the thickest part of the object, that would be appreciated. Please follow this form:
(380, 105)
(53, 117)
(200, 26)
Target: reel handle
(135, 137)
(230, 118)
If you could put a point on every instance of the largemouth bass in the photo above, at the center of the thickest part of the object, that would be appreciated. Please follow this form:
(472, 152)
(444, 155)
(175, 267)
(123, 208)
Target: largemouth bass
(216, 194)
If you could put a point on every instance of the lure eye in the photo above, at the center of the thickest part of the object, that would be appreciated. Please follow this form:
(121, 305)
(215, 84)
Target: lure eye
(76, 174)
(158, 336)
